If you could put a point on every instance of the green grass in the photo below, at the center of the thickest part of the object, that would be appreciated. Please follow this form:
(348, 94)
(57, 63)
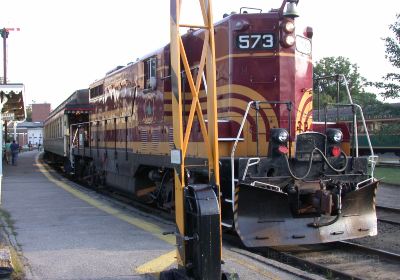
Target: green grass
(390, 175)
(18, 268)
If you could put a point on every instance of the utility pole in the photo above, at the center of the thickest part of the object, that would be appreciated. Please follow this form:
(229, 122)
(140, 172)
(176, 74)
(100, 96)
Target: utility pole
(4, 34)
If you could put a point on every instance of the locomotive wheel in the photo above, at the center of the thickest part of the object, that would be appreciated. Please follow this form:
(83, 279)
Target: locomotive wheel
(163, 195)
(166, 197)
(92, 177)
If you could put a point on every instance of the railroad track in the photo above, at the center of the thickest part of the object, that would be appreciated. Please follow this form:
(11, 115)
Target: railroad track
(339, 260)
(388, 215)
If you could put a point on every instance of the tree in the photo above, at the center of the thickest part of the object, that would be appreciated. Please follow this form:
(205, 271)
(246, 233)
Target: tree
(327, 88)
(29, 113)
(390, 86)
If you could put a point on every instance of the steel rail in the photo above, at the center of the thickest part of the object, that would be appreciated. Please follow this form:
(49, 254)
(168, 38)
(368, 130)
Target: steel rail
(379, 252)
(390, 211)
(388, 164)
(306, 265)
(348, 251)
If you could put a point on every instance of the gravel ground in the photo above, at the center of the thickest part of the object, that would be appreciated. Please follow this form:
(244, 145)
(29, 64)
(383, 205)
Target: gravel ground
(387, 238)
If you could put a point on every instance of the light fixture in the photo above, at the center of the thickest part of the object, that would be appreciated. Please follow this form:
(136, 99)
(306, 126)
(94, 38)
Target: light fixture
(288, 40)
(280, 135)
(334, 135)
(288, 26)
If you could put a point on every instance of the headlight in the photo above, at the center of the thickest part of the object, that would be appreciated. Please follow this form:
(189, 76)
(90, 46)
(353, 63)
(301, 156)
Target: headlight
(288, 40)
(288, 26)
(334, 135)
(280, 135)
(241, 25)
(283, 136)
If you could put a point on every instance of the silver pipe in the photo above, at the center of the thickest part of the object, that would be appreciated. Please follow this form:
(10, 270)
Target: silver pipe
(233, 153)
(356, 133)
(364, 125)
(205, 82)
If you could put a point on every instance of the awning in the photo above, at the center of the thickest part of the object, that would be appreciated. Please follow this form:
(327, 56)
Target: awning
(12, 98)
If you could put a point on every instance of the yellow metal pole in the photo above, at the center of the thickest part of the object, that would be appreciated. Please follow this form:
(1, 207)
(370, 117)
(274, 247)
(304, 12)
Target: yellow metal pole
(177, 127)
(210, 131)
(212, 111)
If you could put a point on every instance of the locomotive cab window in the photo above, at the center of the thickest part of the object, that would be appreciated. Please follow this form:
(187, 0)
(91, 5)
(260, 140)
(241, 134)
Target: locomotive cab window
(96, 91)
(150, 79)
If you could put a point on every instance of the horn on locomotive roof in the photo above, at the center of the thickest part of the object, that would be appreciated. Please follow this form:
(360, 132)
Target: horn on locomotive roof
(291, 10)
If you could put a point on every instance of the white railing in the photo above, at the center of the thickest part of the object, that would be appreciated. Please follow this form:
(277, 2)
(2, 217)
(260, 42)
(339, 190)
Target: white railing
(372, 158)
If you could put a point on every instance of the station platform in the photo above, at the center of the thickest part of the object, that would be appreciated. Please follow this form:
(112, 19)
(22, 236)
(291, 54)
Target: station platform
(65, 231)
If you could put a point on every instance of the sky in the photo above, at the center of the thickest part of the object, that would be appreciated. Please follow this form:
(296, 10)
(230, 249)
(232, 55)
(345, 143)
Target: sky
(66, 45)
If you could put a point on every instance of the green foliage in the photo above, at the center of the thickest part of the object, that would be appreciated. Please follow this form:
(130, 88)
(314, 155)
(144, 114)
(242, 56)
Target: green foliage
(390, 86)
(390, 128)
(327, 88)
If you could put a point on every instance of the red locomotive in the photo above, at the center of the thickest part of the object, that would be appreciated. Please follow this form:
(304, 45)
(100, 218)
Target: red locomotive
(284, 178)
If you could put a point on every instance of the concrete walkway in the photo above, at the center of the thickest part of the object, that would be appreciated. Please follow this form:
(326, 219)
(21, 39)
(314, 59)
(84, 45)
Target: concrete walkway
(64, 237)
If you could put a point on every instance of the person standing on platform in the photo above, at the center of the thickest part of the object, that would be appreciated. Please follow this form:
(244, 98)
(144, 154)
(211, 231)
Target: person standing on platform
(14, 152)
(8, 151)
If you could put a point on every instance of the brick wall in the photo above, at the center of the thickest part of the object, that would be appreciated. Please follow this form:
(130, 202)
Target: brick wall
(40, 112)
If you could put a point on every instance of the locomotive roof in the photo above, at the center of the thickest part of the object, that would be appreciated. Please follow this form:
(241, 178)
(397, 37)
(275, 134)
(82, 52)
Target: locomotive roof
(120, 68)
(231, 16)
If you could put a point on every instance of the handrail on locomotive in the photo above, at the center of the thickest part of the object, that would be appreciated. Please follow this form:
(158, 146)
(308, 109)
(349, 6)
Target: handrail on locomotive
(256, 104)
(372, 157)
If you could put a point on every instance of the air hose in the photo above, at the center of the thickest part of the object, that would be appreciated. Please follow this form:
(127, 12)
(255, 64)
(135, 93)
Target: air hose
(310, 164)
(317, 225)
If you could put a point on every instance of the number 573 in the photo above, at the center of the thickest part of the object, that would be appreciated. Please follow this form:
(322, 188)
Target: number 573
(255, 41)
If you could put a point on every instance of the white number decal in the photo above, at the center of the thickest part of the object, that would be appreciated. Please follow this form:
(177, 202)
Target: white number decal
(244, 42)
(268, 40)
(257, 37)
(255, 41)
